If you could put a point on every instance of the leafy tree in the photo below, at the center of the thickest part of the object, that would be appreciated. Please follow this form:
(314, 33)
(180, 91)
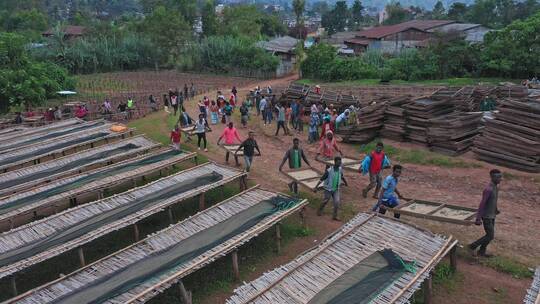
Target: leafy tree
(299, 6)
(527, 8)
(187, 8)
(25, 20)
(513, 51)
(336, 19)
(272, 25)
(319, 8)
(438, 11)
(356, 14)
(457, 11)
(167, 29)
(241, 20)
(396, 14)
(23, 81)
(209, 19)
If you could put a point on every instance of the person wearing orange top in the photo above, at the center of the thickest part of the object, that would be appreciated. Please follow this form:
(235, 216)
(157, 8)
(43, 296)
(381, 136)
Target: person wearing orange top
(328, 147)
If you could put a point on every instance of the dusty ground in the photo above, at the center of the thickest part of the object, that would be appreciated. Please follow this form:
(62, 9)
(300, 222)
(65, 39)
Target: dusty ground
(517, 226)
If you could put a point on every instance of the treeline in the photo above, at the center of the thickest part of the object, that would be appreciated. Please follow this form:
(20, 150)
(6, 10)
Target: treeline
(164, 36)
(511, 52)
(148, 34)
(23, 80)
(491, 13)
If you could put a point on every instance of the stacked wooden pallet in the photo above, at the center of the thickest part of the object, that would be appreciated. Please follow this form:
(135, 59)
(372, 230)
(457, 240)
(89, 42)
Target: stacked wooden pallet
(419, 112)
(330, 98)
(370, 121)
(464, 100)
(347, 100)
(296, 90)
(512, 139)
(445, 93)
(395, 119)
(312, 98)
(454, 134)
(512, 91)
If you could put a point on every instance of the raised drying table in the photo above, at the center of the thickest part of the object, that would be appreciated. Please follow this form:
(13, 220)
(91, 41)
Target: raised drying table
(331, 269)
(38, 241)
(145, 269)
(21, 208)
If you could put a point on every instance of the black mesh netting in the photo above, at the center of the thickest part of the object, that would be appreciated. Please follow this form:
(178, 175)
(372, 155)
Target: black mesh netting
(161, 262)
(50, 135)
(78, 182)
(364, 281)
(69, 166)
(90, 224)
(7, 160)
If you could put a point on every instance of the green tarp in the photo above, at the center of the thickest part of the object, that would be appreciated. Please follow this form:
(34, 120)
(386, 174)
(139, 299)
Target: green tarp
(69, 166)
(77, 182)
(161, 262)
(89, 224)
(364, 281)
(13, 159)
(50, 135)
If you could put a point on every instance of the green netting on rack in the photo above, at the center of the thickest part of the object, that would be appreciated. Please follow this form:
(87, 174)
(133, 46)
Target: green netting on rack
(38, 152)
(50, 135)
(164, 261)
(86, 225)
(84, 179)
(69, 166)
(364, 281)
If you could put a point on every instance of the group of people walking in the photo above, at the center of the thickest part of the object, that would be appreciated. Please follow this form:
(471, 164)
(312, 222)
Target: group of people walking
(290, 116)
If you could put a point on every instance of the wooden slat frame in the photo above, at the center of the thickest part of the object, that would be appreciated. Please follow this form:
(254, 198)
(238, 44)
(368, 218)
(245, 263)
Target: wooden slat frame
(431, 216)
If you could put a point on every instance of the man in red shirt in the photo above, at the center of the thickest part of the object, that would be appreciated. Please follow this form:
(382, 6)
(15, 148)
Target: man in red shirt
(373, 164)
(230, 134)
(175, 138)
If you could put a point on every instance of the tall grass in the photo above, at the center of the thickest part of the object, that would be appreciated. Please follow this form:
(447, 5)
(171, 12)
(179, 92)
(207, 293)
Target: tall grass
(101, 53)
(224, 54)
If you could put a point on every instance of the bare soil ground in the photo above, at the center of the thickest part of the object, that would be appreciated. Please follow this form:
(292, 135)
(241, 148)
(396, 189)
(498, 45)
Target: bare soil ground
(517, 226)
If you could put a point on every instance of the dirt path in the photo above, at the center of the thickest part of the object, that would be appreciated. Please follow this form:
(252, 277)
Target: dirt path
(519, 198)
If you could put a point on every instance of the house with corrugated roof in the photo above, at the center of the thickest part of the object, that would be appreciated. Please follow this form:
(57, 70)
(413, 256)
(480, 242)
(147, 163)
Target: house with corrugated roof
(70, 32)
(411, 34)
(285, 48)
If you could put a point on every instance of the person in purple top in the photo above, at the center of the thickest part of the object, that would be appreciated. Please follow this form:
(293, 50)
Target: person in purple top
(487, 211)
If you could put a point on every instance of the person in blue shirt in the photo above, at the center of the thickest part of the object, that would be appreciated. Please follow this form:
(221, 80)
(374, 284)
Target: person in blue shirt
(387, 197)
(295, 114)
(313, 130)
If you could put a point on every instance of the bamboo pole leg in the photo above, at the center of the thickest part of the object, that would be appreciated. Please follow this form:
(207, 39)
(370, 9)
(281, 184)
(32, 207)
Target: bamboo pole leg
(14, 286)
(134, 181)
(278, 237)
(184, 294)
(170, 215)
(302, 214)
(236, 269)
(100, 195)
(453, 258)
(202, 202)
(80, 251)
(427, 287)
(136, 233)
